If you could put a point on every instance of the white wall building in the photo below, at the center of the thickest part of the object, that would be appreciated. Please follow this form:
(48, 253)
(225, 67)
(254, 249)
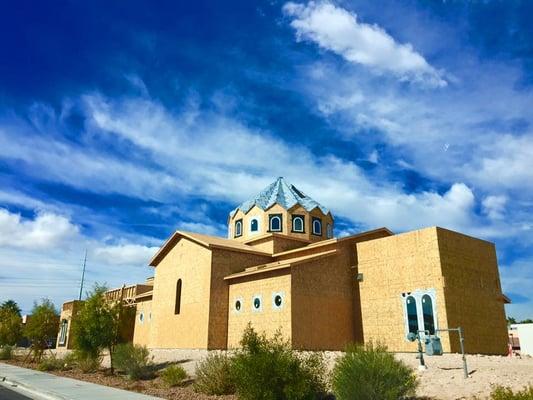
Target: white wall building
(525, 335)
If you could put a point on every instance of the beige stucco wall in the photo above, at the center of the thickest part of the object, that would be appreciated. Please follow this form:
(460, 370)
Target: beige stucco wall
(268, 319)
(191, 263)
(225, 262)
(392, 266)
(68, 309)
(141, 333)
(275, 243)
(324, 313)
(473, 292)
(463, 272)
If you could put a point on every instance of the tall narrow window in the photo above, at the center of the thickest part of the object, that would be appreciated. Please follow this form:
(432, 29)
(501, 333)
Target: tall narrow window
(412, 315)
(254, 225)
(329, 231)
(238, 228)
(275, 223)
(317, 226)
(297, 223)
(427, 311)
(63, 332)
(177, 305)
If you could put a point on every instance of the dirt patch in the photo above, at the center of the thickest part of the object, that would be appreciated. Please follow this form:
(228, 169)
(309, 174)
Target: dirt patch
(152, 387)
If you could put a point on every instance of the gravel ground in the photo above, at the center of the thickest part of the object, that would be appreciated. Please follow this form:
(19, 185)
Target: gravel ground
(443, 379)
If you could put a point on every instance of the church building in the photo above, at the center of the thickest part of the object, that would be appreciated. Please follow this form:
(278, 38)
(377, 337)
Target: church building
(281, 268)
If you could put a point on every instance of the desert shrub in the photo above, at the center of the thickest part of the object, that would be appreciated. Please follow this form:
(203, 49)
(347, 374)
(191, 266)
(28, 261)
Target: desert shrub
(370, 372)
(213, 375)
(50, 363)
(6, 352)
(70, 360)
(86, 362)
(504, 393)
(173, 375)
(270, 370)
(133, 360)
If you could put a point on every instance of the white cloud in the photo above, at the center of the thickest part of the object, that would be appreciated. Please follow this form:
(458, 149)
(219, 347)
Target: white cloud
(42, 257)
(494, 206)
(82, 168)
(504, 162)
(210, 228)
(125, 254)
(336, 29)
(217, 141)
(45, 231)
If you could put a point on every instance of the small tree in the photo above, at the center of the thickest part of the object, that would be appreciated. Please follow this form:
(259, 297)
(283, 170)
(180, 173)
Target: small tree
(10, 323)
(10, 305)
(42, 327)
(96, 326)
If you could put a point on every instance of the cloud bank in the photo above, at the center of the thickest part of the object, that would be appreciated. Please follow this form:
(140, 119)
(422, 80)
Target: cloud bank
(338, 30)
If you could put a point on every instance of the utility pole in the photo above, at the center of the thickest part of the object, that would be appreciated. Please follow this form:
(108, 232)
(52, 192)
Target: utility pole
(83, 274)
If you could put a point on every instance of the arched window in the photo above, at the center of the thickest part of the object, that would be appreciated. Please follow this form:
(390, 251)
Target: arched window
(317, 226)
(412, 315)
(297, 223)
(238, 228)
(177, 305)
(275, 223)
(427, 312)
(254, 225)
(329, 231)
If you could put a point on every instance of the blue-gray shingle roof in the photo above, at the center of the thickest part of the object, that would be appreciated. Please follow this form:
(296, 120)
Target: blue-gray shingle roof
(283, 193)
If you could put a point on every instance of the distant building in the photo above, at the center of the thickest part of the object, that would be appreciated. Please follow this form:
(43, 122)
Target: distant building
(522, 335)
(126, 294)
(281, 268)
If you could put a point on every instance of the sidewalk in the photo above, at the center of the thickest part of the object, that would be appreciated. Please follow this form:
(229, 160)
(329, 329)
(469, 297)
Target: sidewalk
(54, 387)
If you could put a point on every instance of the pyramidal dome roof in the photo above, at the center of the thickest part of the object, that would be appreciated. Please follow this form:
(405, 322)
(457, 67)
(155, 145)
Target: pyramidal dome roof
(283, 193)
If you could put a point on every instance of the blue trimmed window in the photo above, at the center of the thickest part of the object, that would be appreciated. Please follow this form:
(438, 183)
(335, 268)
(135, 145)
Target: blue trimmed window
(274, 223)
(298, 224)
(317, 226)
(238, 228)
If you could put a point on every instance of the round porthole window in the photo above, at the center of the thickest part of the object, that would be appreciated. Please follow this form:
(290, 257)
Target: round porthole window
(278, 300)
(141, 317)
(238, 305)
(257, 303)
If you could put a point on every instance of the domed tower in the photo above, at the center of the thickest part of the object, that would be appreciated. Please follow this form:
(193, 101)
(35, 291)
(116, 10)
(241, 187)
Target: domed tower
(280, 210)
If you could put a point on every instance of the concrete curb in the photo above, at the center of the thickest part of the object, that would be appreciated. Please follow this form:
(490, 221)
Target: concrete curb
(10, 384)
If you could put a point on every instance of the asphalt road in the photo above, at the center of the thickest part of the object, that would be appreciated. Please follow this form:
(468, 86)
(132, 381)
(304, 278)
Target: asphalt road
(6, 394)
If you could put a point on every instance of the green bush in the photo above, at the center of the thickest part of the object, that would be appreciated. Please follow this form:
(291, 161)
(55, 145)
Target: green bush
(270, 370)
(369, 373)
(174, 375)
(6, 352)
(133, 360)
(213, 375)
(51, 363)
(503, 393)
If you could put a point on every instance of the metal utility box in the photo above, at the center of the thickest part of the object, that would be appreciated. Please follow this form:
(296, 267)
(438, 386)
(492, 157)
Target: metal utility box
(433, 346)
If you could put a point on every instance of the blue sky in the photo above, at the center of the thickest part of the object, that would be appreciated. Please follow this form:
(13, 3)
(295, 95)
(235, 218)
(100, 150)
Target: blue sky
(120, 124)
